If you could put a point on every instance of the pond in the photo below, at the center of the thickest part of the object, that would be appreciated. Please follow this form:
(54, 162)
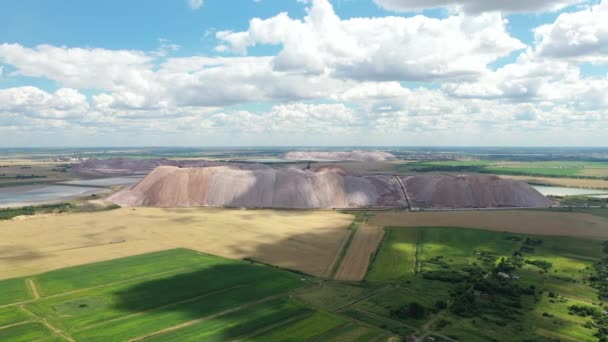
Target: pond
(41, 194)
(105, 181)
(563, 191)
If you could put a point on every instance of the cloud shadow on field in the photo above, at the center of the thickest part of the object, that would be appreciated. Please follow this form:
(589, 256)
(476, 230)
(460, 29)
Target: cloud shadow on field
(236, 284)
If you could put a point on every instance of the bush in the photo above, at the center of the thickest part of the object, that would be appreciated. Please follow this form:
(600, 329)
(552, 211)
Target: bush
(412, 310)
(446, 276)
(441, 304)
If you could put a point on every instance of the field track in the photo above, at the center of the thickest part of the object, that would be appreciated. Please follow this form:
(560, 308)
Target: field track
(307, 241)
(516, 221)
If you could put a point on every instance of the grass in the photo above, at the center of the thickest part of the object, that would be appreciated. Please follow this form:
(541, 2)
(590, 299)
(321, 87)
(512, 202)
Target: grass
(572, 169)
(9, 213)
(352, 333)
(396, 258)
(445, 248)
(106, 272)
(137, 296)
(386, 302)
(27, 332)
(596, 212)
(437, 249)
(332, 295)
(471, 254)
(183, 295)
(303, 329)
(174, 314)
(14, 290)
(237, 324)
(224, 286)
(10, 315)
(380, 322)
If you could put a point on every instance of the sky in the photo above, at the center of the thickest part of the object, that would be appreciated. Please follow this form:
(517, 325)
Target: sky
(303, 73)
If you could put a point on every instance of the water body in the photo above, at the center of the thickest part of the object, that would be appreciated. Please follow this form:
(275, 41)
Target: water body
(42, 194)
(105, 181)
(563, 191)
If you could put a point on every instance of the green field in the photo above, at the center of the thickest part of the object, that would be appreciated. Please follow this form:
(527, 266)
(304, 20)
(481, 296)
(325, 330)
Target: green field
(569, 169)
(9, 316)
(396, 258)
(14, 290)
(333, 295)
(547, 276)
(448, 282)
(239, 323)
(31, 331)
(175, 295)
(385, 303)
(301, 329)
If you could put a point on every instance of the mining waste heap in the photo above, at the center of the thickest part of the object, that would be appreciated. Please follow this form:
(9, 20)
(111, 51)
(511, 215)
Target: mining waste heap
(329, 187)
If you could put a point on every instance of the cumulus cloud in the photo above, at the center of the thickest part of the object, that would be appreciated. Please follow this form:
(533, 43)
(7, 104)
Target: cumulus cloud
(580, 36)
(333, 78)
(536, 81)
(79, 67)
(34, 102)
(478, 6)
(390, 48)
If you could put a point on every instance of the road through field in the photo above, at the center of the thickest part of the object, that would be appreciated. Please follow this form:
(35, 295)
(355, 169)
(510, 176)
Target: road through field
(307, 241)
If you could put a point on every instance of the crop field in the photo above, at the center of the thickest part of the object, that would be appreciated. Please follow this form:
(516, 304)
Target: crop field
(458, 284)
(173, 295)
(333, 295)
(573, 169)
(360, 252)
(14, 290)
(557, 223)
(476, 285)
(565, 182)
(397, 256)
(308, 241)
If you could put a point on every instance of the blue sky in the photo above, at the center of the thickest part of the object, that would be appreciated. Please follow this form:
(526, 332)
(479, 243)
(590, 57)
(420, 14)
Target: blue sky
(349, 72)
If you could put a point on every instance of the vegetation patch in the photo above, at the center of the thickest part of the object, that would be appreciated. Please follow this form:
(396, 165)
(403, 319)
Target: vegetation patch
(14, 290)
(396, 258)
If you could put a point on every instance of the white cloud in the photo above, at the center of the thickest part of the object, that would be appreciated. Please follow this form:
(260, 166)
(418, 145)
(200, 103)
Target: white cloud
(195, 4)
(478, 6)
(354, 68)
(390, 48)
(537, 81)
(33, 102)
(579, 36)
(80, 67)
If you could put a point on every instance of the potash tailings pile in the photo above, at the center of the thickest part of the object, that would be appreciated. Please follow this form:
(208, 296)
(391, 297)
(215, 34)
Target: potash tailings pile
(470, 191)
(258, 186)
(128, 166)
(363, 156)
